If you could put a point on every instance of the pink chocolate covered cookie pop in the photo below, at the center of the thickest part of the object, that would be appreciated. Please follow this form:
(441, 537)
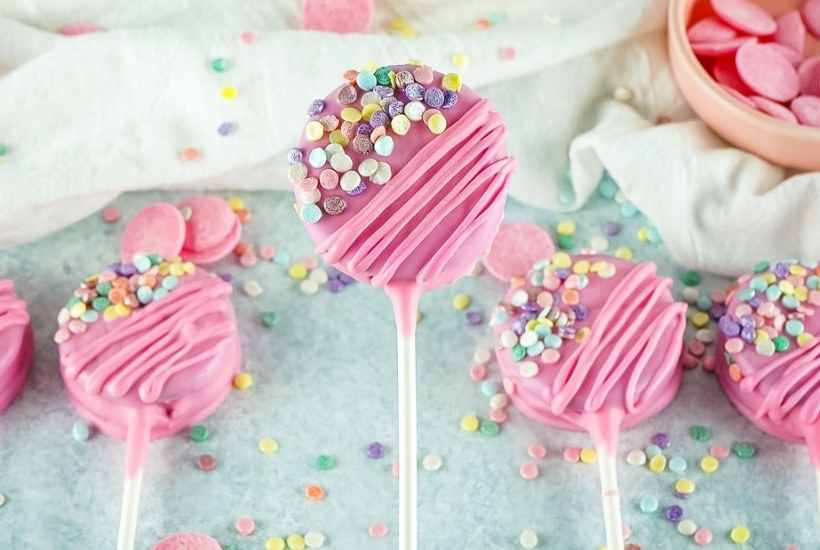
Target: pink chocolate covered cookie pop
(770, 365)
(400, 178)
(592, 343)
(148, 347)
(16, 344)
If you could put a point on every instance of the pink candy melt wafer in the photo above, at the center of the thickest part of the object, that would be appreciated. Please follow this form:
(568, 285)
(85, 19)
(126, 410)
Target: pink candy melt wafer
(791, 32)
(157, 229)
(187, 541)
(717, 49)
(809, 73)
(811, 16)
(711, 29)
(791, 55)
(516, 247)
(807, 110)
(767, 72)
(774, 109)
(746, 16)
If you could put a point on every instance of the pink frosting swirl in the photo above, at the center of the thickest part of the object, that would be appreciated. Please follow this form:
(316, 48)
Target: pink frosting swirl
(16, 344)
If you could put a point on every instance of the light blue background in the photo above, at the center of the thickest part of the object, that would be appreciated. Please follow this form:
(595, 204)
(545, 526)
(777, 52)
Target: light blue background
(325, 383)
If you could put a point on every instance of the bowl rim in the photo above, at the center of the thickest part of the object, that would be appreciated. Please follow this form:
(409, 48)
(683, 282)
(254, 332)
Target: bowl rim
(678, 19)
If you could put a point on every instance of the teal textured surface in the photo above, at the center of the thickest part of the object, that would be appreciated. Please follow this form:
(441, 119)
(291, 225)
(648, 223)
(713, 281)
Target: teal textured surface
(324, 383)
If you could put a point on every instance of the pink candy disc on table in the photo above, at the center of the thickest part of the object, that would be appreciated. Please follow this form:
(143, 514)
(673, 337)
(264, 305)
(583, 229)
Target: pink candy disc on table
(769, 351)
(342, 16)
(746, 16)
(156, 229)
(16, 344)
(212, 229)
(717, 49)
(791, 32)
(811, 16)
(187, 541)
(592, 343)
(774, 109)
(422, 175)
(711, 29)
(516, 247)
(807, 110)
(147, 347)
(809, 73)
(767, 72)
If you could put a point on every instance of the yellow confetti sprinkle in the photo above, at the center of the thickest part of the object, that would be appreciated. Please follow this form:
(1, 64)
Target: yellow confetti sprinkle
(700, 319)
(470, 423)
(566, 227)
(236, 203)
(643, 234)
(461, 301)
(275, 543)
(268, 445)
(229, 92)
(243, 381)
(709, 464)
(623, 253)
(297, 272)
(589, 456)
(740, 534)
(460, 59)
(657, 464)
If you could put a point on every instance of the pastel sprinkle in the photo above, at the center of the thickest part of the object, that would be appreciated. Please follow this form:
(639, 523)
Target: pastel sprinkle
(243, 381)
(378, 530)
(740, 534)
(268, 445)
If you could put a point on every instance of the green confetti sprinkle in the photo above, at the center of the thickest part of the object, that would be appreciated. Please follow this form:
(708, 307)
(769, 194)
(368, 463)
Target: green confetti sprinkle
(700, 433)
(220, 64)
(324, 463)
(270, 319)
(566, 242)
(691, 278)
(744, 449)
(199, 433)
(4, 150)
(490, 428)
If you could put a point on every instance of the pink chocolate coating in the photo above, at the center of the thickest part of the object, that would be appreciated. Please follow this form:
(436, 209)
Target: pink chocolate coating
(440, 211)
(16, 344)
(187, 541)
(174, 359)
(626, 370)
(780, 394)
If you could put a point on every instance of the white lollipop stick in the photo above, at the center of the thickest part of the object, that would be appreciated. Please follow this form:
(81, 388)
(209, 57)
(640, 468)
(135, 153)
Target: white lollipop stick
(610, 499)
(405, 298)
(136, 448)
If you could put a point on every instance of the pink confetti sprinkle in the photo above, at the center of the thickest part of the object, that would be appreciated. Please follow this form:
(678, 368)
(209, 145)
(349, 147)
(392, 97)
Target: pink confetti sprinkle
(572, 454)
(536, 451)
(245, 526)
(721, 453)
(247, 259)
(266, 252)
(709, 363)
(507, 53)
(498, 415)
(478, 372)
(310, 262)
(110, 215)
(529, 470)
(78, 29)
(378, 530)
(248, 37)
(689, 361)
(394, 469)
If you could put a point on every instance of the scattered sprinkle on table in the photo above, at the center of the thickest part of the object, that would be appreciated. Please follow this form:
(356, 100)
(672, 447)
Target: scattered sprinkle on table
(703, 536)
(229, 92)
(110, 215)
(700, 433)
(275, 543)
(190, 153)
(572, 454)
(677, 464)
(378, 530)
(687, 527)
(709, 464)
(589, 456)
(268, 445)
(490, 428)
(252, 288)
(243, 381)
(636, 457)
(470, 423)
(199, 433)
(536, 451)
(324, 462)
(245, 526)
(206, 462)
(269, 319)
(226, 128)
(528, 539)
(375, 450)
(657, 464)
(314, 492)
(740, 534)
(81, 431)
(461, 301)
(662, 440)
(529, 470)
(296, 542)
(432, 462)
(314, 539)
(690, 278)
(673, 513)
(744, 449)
(648, 504)
(220, 64)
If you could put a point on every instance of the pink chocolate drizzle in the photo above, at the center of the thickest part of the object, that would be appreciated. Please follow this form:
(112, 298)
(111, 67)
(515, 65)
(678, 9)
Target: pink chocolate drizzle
(463, 166)
(145, 350)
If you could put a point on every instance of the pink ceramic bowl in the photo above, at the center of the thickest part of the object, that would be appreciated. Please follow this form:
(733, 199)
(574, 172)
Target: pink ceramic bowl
(780, 142)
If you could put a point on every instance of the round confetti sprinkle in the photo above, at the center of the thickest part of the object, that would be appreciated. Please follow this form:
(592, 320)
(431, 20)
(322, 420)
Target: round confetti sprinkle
(528, 539)
(685, 486)
(572, 454)
(709, 464)
(662, 440)
(744, 449)
(314, 492)
(275, 543)
(687, 527)
(269, 319)
(536, 451)
(206, 463)
(636, 457)
(199, 433)
(432, 463)
(378, 530)
(110, 215)
(657, 464)
(529, 470)
(245, 526)
(81, 431)
(589, 456)
(648, 504)
(461, 301)
(191, 153)
(252, 288)
(677, 464)
(296, 542)
(673, 513)
(227, 128)
(243, 381)
(268, 445)
(314, 539)
(490, 428)
(375, 450)
(324, 463)
(690, 278)
(700, 433)
(229, 92)
(220, 64)
(740, 534)
(703, 536)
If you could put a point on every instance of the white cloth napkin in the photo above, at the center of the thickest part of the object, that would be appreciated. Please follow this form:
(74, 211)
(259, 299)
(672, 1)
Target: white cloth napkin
(93, 116)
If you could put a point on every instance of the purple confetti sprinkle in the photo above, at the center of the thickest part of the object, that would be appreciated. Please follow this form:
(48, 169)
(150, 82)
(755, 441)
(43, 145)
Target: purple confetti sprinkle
(450, 99)
(226, 128)
(316, 107)
(375, 450)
